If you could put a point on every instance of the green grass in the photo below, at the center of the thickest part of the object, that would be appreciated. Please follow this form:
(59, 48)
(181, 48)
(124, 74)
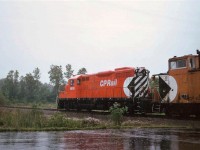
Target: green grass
(35, 120)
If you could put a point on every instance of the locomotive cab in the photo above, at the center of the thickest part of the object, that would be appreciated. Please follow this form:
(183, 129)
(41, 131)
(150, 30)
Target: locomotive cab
(186, 74)
(179, 87)
(73, 87)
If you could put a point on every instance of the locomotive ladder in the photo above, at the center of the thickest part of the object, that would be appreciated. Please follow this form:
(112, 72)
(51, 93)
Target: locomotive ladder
(138, 107)
(156, 107)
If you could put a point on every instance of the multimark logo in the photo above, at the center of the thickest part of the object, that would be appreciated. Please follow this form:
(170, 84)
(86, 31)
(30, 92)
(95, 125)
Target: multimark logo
(108, 82)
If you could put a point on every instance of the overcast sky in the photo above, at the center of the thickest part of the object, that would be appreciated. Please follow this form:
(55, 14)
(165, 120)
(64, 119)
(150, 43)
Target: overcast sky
(97, 35)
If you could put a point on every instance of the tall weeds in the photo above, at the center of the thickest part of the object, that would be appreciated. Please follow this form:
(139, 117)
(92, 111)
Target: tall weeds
(19, 119)
(59, 120)
(36, 119)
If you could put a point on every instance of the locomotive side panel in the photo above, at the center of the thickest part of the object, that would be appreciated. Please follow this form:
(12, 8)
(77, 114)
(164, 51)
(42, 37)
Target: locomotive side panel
(102, 84)
(181, 79)
(194, 87)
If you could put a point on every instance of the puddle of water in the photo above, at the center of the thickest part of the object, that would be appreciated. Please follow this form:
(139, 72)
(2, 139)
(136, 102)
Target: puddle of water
(142, 139)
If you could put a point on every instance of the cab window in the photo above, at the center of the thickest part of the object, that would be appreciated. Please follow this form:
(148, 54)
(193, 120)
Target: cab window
(192, 63)
(181, 63)
(178, 64)
(71, 82)
(78, 81)
(172, 65)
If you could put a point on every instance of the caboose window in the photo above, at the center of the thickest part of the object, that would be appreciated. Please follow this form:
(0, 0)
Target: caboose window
(71, 82)
(177, 64)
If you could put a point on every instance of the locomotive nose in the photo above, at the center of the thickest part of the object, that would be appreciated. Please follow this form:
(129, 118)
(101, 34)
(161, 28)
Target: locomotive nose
(137, 86)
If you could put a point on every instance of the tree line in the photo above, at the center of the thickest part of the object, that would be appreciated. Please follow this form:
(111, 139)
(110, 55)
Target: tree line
(29, 88)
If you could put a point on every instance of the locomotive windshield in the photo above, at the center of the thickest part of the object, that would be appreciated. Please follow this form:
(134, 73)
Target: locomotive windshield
(175, 64)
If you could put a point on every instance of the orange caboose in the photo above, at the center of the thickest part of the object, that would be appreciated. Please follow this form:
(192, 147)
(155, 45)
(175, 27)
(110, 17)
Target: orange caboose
(104, 88)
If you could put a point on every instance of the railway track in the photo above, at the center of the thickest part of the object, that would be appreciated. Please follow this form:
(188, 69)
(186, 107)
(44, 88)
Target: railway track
(22, 107)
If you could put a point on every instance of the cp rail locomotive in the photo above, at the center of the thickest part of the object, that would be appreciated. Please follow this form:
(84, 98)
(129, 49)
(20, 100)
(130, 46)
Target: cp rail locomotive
(99, 91)
(175, 92)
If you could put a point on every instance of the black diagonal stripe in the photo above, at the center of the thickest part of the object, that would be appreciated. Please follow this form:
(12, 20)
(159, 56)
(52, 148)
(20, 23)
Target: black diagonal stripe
(131, 85)
(142, 91)
(137, 76)
(144, 88)
(139, 80)
(133, 81)
(141, 84)
(146, 93)
(164, 88)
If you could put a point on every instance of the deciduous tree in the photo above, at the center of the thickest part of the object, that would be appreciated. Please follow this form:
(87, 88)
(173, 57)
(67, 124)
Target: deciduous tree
(10, 87)
(82, 71)
(69, 71)
(56, 77)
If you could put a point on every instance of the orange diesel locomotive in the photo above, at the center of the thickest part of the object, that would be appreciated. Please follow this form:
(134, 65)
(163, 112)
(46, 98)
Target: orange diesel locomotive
(99, 91)
(179, 89)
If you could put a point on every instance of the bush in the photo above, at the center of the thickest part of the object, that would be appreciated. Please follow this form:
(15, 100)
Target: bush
(59, 120)
(117, 113)
(88, 122)
(2, 99)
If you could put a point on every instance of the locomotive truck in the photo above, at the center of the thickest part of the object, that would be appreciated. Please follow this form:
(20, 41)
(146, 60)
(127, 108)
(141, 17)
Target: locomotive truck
(177, 92)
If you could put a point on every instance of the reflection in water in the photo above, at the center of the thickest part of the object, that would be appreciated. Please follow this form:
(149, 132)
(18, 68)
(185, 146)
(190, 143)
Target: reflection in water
(93, 140)
(142, 139)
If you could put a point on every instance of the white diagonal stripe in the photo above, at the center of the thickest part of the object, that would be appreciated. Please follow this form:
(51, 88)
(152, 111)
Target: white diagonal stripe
(144, 91)
(140, 82)
(138, 79)
(145, 84)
